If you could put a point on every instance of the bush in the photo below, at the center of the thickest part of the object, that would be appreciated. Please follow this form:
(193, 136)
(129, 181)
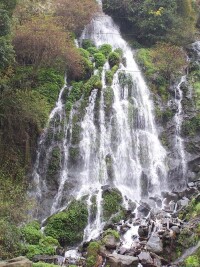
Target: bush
(100, 60)
(84, 53)
(34, 250)
(113, 59)
(105, 49)
(49, 241)
(92, 50)
(192, 261)
(68, 226)
(87, 43)
(31, 234)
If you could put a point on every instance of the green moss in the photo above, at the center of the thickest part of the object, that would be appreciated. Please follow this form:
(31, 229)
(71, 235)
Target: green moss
(74, 155)
(76, 130)
(192, 126)
(113, 59)
(68, 226)
(93, 83)
(105, 49)
(112, 232)
(108, 100)
(48, 241)
(110, 74)
(119, 51)
(54, 163)
(75, 95)
(112, 203)
(99, 59)
(88, 69)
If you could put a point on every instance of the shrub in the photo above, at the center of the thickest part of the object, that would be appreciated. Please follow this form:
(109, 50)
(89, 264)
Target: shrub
(100, 60)
(105, 49)
(92, 50)
(87, 43)
(84, 53)
(31, 234)
(113, 59)
(192, 261)
(68, 226)
(113, 233)
(33, 250)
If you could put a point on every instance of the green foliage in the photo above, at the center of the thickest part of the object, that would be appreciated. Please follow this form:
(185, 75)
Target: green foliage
(192, 261)
(6, 53)
(93, 248)
(105, 49)
(68, 226)
(93, 83)
(84, 53)
(192, 126)
(92, 50)
(87, 69)
(100, 59)
(110, 74)
(113, 59)
(42, 264)
(87, 43)
(75, 94)
(48, 241)
(125, 79)
(4, 23)
(144, 58)
(10, 245)
(31, 234)
(90, 262)
(112, 201)
(33, 250)
(150, 21)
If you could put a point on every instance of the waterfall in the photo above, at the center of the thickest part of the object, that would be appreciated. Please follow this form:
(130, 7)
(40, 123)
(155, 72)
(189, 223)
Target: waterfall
(178, 122)
(118, 148)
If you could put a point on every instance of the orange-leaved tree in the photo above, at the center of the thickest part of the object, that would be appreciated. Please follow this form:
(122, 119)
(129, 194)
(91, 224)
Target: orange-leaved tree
(74, 15)
(169, 59)
(40, 42)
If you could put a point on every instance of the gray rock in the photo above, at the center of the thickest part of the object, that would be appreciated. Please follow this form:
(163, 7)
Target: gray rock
(17, 262)
(145, 258)
(143, 231)
(154, 244)
(175, 229)
(110, 242)
(183, 202)
(117, 260)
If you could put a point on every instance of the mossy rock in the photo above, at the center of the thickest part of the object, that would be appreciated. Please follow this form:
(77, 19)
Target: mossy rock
(112, 203)
(68, 226)
(54, 163)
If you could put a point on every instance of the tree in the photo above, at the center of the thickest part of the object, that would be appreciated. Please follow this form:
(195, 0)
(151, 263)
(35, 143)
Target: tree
(169, 59)
(74, 15)
(41, 42)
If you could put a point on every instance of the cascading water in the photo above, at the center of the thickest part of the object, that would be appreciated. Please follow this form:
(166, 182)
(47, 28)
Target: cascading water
(118, 147)
(178, 121)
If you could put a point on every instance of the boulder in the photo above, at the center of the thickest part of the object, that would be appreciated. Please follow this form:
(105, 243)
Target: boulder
(117, 260)
(145, 258)
(175, 229)
(110, 242)
(143, 231)
(17, 262)
(154, 244)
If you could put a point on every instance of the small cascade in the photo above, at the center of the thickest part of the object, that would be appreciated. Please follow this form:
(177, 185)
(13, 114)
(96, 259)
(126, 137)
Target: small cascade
(178, 121)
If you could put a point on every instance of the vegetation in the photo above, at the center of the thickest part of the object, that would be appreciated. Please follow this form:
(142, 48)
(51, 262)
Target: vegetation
(112, 201)
(149, 22)
(68, 226)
